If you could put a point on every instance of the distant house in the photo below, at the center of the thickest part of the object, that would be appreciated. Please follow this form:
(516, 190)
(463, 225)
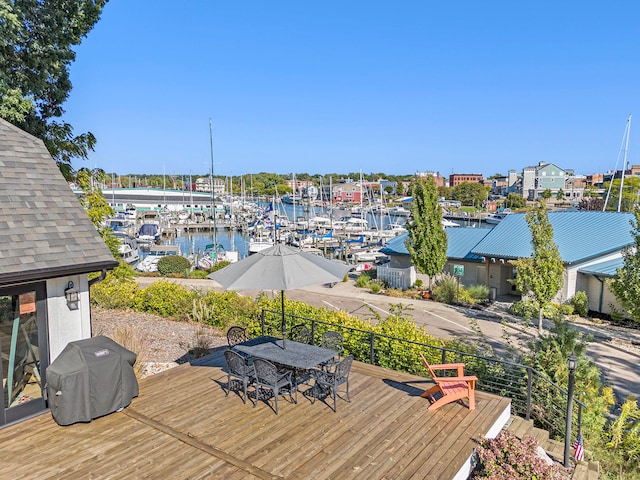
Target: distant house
(349, 192)
(48, 246)
(544, 176)
(589, 254)
(203, 184)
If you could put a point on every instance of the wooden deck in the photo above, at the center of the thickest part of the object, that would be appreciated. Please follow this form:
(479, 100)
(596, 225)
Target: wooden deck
(182, 426)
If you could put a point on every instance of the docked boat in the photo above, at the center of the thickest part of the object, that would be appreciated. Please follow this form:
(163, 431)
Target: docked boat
(497, 217)
(149, 233)
(215, 254)
(129, 255)
(156, 252)
(448, 223)
(368, 255)
(399, 211)
(260, 242)
(128, 248)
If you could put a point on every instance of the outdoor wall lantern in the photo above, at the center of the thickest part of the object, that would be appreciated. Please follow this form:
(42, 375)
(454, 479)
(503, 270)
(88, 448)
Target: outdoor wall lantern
(71, 294)
(572, 364)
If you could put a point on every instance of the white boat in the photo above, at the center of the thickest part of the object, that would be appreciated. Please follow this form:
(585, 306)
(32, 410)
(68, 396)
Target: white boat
(129, 255)
(149, 233)
(448, 223)
(260, 242)
(497, 217)
(368, 255)
(393, 230)
(213, 255)
(399, 211)
(156, 252)
(128, 248)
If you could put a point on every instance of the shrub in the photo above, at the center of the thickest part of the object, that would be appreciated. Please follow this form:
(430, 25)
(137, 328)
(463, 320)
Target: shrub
(526, 309)
(165, 298)
(506, 457)
(172, 264)
(374, 286)
(222, 309)
(478, 292)
(198, 274)
(580, 303)
(132, 339)
(114, 293)
(418, 283)
(218, 266)
(363, 280)
(445, 289)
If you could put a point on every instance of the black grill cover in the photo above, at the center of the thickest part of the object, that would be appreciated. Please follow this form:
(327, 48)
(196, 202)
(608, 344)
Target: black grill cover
(89, 379)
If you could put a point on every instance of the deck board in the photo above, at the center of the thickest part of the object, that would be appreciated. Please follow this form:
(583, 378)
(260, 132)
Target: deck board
(183, 423)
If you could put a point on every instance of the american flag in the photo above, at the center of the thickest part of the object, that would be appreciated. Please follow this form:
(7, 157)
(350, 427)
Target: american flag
(579, 448)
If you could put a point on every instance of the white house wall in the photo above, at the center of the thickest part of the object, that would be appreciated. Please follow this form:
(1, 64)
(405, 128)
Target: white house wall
(66, 325)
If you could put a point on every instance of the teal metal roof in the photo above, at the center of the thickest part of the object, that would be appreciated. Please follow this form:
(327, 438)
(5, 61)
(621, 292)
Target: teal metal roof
(460, 242)
(604, 269)
(580, 235)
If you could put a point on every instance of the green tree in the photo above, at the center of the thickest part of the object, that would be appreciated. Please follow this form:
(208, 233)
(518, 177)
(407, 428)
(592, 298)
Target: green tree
(427, 239)
(515, 200)
(547, 194)
(560, 194)
(96, 205)
(631, 191)
(540, 275)
(470, 193)
(626, 283)
(37, 40)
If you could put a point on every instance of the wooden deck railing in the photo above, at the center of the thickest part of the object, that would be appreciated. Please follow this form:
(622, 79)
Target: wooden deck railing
(533, 395)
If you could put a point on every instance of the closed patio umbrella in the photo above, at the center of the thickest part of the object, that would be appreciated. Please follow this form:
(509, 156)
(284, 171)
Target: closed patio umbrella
(279, 268)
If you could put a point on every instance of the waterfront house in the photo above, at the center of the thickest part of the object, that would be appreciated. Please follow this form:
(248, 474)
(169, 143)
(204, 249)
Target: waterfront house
(589, 254)
(48, 247)
(544, 176)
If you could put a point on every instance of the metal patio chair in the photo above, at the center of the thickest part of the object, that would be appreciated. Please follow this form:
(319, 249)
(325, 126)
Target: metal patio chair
(268, 377)
(236, 335)
(300, 333)
(333, 341)
(329, 382)
(238, 368)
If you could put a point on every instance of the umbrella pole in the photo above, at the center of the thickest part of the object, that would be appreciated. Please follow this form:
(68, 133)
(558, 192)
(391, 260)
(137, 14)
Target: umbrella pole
(284, 320)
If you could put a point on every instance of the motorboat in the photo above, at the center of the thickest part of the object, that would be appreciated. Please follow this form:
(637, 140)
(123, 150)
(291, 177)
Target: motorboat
(399, 211)
(149, 233)
(156, 252)
(215, 254)
(448, 223)
(128, 248)
(497, 217)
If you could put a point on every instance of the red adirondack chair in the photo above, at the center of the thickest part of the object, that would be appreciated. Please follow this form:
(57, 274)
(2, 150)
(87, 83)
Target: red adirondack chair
(450, 388)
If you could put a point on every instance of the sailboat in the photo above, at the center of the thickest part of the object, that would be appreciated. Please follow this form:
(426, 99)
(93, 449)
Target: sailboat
(624, 144)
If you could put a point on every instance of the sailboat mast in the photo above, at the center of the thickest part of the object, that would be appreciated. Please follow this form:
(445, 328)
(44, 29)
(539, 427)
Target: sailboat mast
(213, 196)
(625, 140)
(624, 163)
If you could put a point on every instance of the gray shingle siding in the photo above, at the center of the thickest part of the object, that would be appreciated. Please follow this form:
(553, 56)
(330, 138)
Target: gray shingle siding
(44, 231)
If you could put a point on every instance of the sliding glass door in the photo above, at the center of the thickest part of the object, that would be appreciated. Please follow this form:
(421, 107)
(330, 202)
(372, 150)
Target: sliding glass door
(23, 350)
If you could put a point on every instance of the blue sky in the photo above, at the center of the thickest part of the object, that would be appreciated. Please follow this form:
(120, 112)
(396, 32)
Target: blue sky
(323, 87)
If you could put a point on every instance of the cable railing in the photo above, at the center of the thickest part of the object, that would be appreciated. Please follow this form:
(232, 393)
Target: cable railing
(533, 395)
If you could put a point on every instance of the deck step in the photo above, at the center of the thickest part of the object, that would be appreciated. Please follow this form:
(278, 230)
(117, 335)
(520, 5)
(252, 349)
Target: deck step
(555, 449)
(586, 471)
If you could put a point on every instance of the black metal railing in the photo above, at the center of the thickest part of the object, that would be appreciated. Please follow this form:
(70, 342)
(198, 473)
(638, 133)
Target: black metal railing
(533, 395)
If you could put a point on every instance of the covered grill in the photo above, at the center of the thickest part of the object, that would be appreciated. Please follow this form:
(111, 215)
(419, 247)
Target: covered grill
(89, 379)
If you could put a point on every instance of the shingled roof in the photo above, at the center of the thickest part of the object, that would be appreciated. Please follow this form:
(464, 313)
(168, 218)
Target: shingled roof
(44, 231)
